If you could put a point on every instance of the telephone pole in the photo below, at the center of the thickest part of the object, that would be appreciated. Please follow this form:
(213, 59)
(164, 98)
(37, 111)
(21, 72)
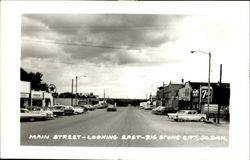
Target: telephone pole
(72, 92)
(218, 121)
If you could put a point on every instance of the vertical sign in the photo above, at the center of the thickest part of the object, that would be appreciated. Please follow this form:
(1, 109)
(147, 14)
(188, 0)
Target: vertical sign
(204, 93)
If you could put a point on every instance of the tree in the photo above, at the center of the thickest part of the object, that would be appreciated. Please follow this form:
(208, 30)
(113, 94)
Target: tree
(35, 79)
(66, 95)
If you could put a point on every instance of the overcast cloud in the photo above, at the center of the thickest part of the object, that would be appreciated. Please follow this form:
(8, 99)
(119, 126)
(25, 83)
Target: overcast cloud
(124, 54)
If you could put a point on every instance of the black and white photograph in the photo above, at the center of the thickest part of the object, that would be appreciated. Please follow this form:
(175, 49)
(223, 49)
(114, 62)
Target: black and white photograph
(128, 80)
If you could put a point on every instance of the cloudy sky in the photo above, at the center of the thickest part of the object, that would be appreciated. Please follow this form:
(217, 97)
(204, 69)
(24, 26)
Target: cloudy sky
(128, 55)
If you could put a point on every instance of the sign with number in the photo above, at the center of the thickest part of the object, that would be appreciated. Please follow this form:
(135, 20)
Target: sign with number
(204, 93)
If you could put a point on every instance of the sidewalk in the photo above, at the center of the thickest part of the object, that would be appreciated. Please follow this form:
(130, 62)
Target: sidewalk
(214, 121)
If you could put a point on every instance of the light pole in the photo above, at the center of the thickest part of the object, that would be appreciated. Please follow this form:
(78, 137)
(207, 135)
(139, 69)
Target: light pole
(76, 87)
(209, 70)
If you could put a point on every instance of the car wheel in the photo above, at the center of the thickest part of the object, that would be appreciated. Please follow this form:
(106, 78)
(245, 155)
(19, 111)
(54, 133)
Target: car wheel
(32, 119)
(202, 119)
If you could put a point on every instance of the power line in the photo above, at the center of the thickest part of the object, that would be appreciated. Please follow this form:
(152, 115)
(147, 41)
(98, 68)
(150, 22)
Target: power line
(113, 28)
(127, 47)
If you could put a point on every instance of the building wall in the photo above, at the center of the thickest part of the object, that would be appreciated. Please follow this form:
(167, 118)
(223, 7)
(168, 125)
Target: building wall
(190, 97)
(168, 95)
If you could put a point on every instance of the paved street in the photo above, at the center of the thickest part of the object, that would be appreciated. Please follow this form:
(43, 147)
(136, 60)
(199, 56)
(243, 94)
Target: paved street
(128, 127)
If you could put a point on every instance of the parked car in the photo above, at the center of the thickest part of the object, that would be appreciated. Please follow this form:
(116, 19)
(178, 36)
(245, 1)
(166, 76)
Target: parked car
(78, 110)
(191, 115)
(69, 110)
(159, 110)
(32, 116)
(38, 109)
(111, 107)
(172, 115)
(58, 110)
(81, 108)
(148, 107)
(99, 106)
(92, 107)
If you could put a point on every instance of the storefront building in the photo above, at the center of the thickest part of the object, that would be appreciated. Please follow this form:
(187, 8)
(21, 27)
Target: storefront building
(25, 94)
(30, 97)
(195, 94)
(168, 95)
(41, 98)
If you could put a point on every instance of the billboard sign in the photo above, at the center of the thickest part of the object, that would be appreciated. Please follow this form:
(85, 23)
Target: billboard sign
(204, 93)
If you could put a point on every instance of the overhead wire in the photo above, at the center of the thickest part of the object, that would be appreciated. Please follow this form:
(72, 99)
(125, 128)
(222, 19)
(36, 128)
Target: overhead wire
(125, 47)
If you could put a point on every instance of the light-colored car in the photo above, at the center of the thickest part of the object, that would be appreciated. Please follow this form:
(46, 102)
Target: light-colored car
(172, 115)
(148, 107)
(91, 107)
(111, 107)
(78, 110)
(99, 106)
(188, 115)
(159, 110)
(32, 116)
(37, 109)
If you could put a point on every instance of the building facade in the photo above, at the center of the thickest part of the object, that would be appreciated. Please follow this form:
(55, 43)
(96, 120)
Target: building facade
(194, 95)
(30, 97)
(167, 95)
(25, 94)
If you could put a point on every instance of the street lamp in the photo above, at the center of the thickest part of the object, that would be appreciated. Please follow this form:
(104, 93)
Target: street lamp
(209, 70)
(76, 86)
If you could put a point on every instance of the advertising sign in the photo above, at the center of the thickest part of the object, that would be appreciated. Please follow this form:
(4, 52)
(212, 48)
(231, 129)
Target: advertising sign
(24, 95)
(204, 93)
(25, 87)
(52, 88)
(195, 93)
(36, 95)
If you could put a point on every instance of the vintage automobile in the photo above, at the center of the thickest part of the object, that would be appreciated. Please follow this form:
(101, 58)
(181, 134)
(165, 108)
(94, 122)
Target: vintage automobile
(58, 110)
(148, 107)
(92, 107)
(101, 105)
(78, 110)
(159, 110)
(69, 110)
(172, 115)
(38, 109)
(32, 116)
(111, 107)
(187, 115)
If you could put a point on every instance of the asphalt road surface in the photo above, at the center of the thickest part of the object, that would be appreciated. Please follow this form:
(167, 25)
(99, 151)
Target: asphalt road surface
(127, 127)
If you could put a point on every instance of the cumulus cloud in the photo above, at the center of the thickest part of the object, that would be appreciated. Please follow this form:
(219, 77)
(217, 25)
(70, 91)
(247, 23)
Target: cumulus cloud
(99, 38)
(113, 49)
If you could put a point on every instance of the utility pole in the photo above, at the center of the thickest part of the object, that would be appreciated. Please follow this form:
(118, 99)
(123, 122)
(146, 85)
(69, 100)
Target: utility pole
(208, 98)
(72, 92)
(104, 96)
(76, 92)
(218, 121)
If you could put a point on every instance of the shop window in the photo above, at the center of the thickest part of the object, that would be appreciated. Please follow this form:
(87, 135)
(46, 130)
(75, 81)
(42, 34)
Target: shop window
(37, 103)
